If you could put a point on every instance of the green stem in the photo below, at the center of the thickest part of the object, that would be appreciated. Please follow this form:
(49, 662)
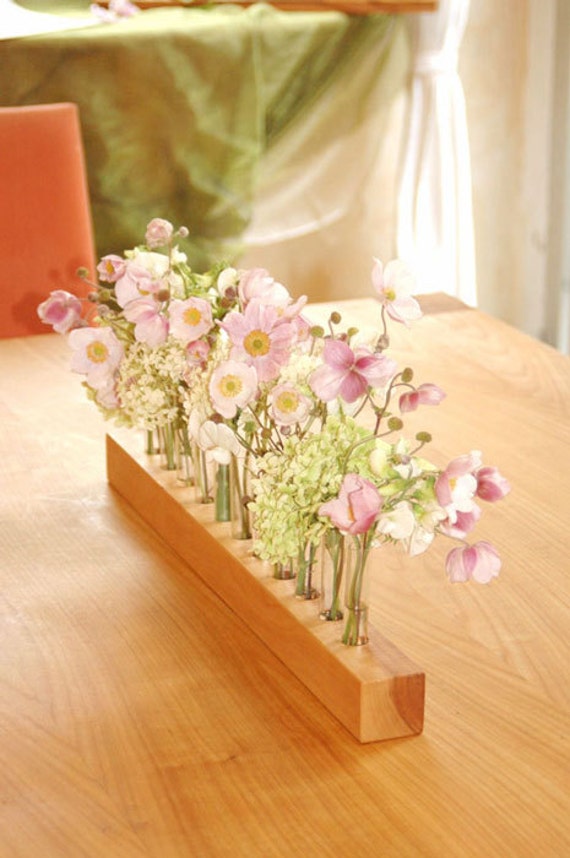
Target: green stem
(240, 513)
(304, 588)
(169, 446)
(150, 449)
(223, 493)
(354, 597)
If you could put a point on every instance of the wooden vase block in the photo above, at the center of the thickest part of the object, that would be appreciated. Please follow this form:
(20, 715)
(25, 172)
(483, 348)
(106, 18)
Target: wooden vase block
(375, 690)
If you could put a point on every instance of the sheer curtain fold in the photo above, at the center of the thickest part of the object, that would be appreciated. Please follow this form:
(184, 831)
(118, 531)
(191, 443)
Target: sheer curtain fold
(435, 219)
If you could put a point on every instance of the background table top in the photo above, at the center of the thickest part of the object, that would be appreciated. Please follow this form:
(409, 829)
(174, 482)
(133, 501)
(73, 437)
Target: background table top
(140, 717)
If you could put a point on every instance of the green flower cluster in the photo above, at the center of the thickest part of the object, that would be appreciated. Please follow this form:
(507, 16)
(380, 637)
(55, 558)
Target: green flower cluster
(291, 485)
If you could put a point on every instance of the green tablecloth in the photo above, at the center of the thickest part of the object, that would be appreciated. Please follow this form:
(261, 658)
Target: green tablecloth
(179, 105)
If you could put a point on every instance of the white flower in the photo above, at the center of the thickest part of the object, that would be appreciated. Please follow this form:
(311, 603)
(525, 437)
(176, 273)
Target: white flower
(227, 279)
(398, 523)
(220, 440)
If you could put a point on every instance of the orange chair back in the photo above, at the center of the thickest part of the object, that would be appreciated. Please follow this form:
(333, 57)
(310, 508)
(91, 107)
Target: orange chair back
(46, 231)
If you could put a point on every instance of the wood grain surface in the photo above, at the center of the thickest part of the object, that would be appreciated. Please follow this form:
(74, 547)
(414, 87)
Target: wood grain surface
(139, 716)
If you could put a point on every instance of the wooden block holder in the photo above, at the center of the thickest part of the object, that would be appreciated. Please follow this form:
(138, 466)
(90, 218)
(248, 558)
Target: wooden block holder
(374, 690)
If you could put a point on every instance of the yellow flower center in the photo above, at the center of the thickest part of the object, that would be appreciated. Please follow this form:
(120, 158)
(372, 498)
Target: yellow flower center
(192, 316)
(257, 343)
(230, 386)
(97, 352)
(287, 402)
(390, 294)
(109, 267)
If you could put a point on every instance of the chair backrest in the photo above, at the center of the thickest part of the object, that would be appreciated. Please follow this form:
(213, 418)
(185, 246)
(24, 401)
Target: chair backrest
(46, 230)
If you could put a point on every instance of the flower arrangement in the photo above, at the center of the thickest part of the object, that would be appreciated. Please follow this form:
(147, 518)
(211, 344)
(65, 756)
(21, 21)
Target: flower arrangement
(225, 366)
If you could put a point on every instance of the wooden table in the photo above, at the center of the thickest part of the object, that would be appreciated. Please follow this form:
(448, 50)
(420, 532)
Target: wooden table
(140, 717)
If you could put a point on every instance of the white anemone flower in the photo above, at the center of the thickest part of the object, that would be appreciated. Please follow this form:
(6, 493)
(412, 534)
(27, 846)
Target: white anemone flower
(218, 439)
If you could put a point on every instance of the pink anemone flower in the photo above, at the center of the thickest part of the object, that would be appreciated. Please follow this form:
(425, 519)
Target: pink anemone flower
(288, 405)
(190, 319)
(479, 562)
(62, 311)
(394, 285)
(349, 373)
(257, 284)
(233, 385)
(111, 267)
(456, 486)
(425, 394)
(260, 339)
(159, 232)
(197, 352)
(491, 485)
(357, 506)
(96, 354)
(151, 327)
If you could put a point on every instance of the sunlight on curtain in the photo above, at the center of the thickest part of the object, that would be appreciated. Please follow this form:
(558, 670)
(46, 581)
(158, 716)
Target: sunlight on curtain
(435, 217)
(17, 22)
(312, 174)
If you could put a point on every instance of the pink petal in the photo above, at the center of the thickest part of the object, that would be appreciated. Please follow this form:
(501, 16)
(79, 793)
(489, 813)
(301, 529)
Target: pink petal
(353, 386)
(338, 354)
(325, 382)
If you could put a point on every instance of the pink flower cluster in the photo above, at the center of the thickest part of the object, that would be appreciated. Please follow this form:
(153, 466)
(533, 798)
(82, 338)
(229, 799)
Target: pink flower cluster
(463, 481)
(262, 333)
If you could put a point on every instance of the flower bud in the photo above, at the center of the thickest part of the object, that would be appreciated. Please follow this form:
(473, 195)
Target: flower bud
(407, 374)
(335, 318)
(423, 437)
(394, 423)
(382, 343)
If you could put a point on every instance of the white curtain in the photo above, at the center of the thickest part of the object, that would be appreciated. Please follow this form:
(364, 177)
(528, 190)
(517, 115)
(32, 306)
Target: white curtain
(17, 22)
(435, 217)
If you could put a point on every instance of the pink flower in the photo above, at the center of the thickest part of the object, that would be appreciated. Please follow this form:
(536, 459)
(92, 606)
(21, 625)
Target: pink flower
(394, 285)
(190, 319)
(257, 284)
(259, 338)
(124, 8)
(117, 9)
(463, 523)
(356, 507)
(479, 562)
(107, 394)
(111, 267)
(288, 405)
(349, 374)
(426, 394)
(232, 385)
(62, 310)
(135, 282)
(197, 352)
(159, 232)
(151, 327)
(146, 274)
(456, 486)
(491, 486)
(96, 354)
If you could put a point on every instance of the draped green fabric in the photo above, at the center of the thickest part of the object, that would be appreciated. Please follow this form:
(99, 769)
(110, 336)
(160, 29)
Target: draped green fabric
(179, 105)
